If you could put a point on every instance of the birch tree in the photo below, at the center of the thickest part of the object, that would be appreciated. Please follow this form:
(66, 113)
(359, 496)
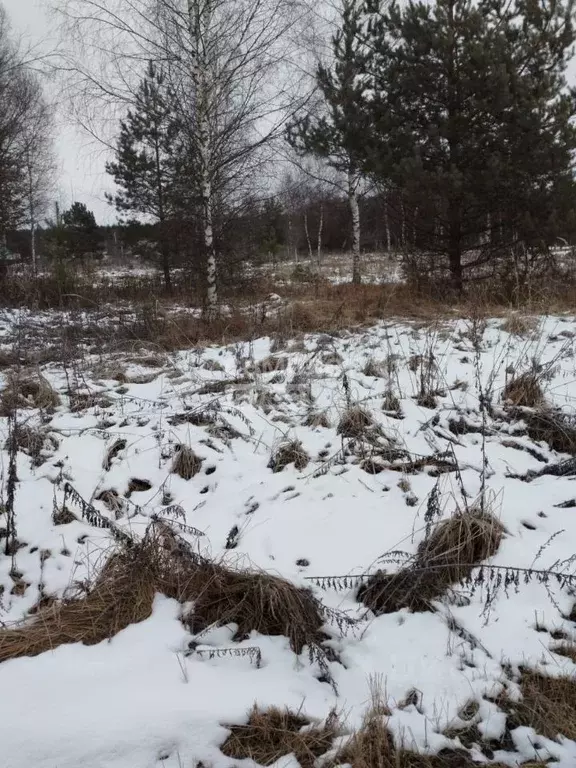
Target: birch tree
(229, 71)
(331, 134)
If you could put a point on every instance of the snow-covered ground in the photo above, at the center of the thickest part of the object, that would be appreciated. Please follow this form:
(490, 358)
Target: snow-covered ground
(140, 700)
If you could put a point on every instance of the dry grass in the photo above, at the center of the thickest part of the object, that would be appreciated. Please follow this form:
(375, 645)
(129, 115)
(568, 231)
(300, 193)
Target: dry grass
(391, 403)
(372, 746)
(185, 463)
(162, 562)
(122, 595)
(113, 451)
(273, 733)
(28, 389)
(556, 428)
(447, 557)
(272, 363)
(519, 325)
(566, 649)
(548, 705)
(33, 441)
(524, 390)
(374, 368)
(289, 452)
(316, 419)
(354, 422)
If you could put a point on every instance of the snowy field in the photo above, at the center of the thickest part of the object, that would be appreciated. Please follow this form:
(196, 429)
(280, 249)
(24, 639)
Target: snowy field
(156, 695)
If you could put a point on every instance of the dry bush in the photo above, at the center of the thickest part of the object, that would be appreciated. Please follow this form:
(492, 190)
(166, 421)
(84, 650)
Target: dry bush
(445, 558)
(289, 452)
(162, 562)
(273, 733)
(524, 390)
(354, 422)
(28, 390)
(518, 325)
(185, 463)
(548, 705)
(315, 419)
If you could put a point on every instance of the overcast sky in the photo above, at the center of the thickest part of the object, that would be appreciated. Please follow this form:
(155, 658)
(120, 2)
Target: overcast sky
(81, 162)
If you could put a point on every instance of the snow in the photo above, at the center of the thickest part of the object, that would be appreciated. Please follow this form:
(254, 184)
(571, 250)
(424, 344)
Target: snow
(140, 699)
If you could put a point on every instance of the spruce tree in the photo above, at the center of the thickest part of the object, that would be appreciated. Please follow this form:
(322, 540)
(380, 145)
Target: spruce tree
(146, 164)
(469, 113)
(333, 134)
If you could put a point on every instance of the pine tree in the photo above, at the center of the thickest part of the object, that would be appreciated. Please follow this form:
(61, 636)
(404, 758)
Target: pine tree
(146, 164)
(333, 136)
(469, 113)
(80, 235)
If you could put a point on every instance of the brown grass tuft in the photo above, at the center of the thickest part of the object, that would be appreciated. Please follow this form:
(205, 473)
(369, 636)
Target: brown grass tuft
(354, 422)
(33, 441)
(315, 419)
(274, 733)
(289, 452)
(374, 368)
(28, 390)
(116, 448)
(548, 705)
(122, 595)
(272, 363)
(518, 325)
(372, 746)
(566, 649)
(186, 463)
(524, 390)
(391, 403)
(162, 562)
(448, 556)
(554, 427)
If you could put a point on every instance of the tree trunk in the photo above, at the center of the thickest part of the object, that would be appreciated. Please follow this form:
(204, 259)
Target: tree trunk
(307, 235)
(320, 228)
(164, 249)
(387, 225)
(32, 213)
(199, 21)
(355, 215)
(165, 260)
(455, 253)
(211, 272)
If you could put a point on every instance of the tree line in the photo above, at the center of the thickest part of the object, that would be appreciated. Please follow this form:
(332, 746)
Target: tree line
(441, 129)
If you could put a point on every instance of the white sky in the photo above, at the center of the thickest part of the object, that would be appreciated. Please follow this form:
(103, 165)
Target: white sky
(81, 161)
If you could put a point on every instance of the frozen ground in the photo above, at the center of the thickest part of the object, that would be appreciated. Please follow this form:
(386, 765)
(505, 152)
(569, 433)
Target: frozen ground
(141, 700)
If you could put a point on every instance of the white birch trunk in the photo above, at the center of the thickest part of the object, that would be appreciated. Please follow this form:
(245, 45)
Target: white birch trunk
(355, 215)
(320, 228)
(199, 18)
(387, 225)
(32, 214)
(307, 235)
